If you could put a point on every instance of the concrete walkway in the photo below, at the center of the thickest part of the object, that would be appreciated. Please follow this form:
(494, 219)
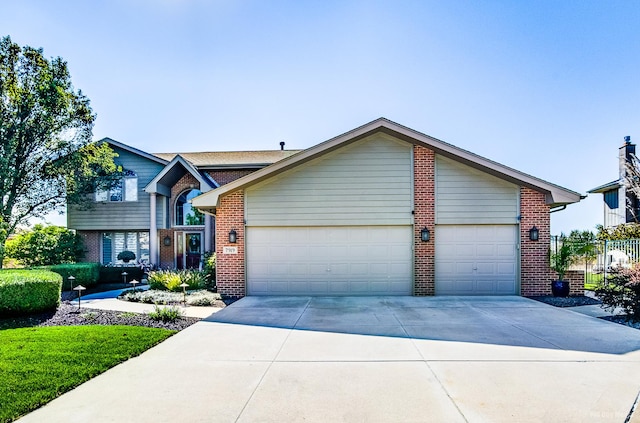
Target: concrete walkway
(108, 300)
(373, 359)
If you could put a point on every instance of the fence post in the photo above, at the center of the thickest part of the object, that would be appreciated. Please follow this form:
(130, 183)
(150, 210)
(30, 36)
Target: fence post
(604, 260)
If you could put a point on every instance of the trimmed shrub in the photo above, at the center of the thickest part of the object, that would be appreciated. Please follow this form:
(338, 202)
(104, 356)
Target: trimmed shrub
(28, 291)
(113, 274)
(86, 274)
(126, 255)
(170, 280)
(622, 289)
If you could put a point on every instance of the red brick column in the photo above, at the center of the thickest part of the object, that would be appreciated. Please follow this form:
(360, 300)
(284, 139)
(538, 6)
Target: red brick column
(92, 245)
(424, 216)
(534, 255)
(230, 277)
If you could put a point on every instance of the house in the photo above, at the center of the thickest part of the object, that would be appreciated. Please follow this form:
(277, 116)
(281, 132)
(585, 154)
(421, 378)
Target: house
(384, 210)
(620, 205)
(150, 212)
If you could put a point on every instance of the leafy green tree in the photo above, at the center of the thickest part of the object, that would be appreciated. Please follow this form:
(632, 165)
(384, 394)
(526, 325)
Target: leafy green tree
(45, 245)
(624, 231)
(47, 158)
(583, 246)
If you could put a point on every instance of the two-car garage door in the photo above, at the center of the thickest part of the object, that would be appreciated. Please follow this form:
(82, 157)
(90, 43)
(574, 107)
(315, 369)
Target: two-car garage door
(351, 260)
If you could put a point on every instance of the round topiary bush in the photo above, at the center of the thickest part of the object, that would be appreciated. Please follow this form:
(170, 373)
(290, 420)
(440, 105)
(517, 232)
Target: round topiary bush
(126, 256)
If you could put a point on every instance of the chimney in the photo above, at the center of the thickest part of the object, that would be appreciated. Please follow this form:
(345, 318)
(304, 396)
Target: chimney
(624, 156)
(282, 145)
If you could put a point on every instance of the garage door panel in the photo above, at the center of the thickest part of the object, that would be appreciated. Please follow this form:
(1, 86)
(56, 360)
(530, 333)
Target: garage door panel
(476, 259)
(338, 261)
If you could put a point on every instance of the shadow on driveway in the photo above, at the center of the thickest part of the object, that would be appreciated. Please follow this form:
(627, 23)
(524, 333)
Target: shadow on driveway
(509, 321)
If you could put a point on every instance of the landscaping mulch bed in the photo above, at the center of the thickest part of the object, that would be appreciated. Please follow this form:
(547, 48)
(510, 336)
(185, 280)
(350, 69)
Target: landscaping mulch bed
(571, 301)
(69, 315)
(622, 320)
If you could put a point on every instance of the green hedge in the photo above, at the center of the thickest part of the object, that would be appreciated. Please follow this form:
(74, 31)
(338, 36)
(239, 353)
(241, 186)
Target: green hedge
(28, 291)
(113, 274)
(86, 274)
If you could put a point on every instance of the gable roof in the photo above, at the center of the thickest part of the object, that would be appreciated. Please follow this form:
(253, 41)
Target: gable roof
(172, 172)
(224, 159)
(555, 194)
(133, 150)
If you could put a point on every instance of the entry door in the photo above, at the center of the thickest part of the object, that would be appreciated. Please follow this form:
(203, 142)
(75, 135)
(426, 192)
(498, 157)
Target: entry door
(188, 250)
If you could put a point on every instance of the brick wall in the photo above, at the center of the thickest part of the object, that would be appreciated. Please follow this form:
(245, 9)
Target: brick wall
(424, 203)
(92, 241)
(534, 255)
(167, 253)
(223, 177)
(230, 275)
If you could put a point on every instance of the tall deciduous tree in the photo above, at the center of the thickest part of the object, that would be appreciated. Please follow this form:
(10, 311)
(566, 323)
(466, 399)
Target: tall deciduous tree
(47, 157)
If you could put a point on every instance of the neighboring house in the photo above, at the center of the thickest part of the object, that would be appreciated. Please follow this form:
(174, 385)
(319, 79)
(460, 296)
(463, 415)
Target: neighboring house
(620, 205)
(384, 210)
(150, 212)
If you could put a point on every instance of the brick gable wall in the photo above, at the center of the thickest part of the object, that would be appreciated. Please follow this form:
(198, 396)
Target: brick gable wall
(223, 177)
(424, 216)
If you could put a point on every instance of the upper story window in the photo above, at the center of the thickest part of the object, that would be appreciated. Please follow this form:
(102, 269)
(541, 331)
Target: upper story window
(125, 190)
(186, 215)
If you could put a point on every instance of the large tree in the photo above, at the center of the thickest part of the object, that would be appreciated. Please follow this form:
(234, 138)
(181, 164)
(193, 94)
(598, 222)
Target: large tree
(47, 157)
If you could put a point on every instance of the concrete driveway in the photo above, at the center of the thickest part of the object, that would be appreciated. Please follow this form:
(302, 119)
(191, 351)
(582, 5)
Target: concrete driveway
(404, 359)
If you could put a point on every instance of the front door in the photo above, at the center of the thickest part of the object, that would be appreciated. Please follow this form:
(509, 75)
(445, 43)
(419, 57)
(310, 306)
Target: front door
(189, 250)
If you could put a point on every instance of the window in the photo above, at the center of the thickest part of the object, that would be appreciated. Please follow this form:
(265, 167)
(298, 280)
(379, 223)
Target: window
(125, 190)
(611, 198)
(113, 243)
(186, 215)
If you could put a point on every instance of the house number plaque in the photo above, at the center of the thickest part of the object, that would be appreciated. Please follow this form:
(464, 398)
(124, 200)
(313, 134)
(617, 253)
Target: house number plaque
(229, 250)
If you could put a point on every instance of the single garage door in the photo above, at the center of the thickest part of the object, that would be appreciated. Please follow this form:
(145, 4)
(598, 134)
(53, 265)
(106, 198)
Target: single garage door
(352, 260)
(476, 260)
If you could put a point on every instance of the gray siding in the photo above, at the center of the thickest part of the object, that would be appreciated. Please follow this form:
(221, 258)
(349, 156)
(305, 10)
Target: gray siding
(364, 183)
(126, 215)
(468, 196)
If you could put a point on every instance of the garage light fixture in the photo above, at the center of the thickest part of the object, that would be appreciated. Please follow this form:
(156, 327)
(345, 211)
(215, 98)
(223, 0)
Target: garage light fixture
(534, 234)
(425, 235)
(167, 241)
(233, 236)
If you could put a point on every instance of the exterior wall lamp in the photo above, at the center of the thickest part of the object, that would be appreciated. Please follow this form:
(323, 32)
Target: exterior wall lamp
(166, 241)
(425, 235)
(233, 236)
(534, 234)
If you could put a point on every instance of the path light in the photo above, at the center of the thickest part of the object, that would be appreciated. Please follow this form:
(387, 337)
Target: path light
(79, 288)
(133, 283)
(124, 277)
(184, 286)
(71, 279)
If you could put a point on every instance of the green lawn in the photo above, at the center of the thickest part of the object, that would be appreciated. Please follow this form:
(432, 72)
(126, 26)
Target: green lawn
(38, 364)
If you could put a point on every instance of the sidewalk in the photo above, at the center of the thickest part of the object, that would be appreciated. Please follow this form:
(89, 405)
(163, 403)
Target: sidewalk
(108, 300)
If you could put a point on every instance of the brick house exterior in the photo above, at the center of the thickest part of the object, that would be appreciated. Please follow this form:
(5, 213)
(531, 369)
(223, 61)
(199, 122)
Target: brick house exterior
(535, 200)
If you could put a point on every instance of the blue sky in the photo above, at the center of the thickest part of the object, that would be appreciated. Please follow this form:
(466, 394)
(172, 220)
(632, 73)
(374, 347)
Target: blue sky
(547, 87)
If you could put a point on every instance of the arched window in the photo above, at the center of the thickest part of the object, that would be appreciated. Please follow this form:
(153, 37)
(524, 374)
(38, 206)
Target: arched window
(185, 214)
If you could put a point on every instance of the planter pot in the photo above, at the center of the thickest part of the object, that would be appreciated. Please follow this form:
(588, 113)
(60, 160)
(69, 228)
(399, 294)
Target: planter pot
(560, 288)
